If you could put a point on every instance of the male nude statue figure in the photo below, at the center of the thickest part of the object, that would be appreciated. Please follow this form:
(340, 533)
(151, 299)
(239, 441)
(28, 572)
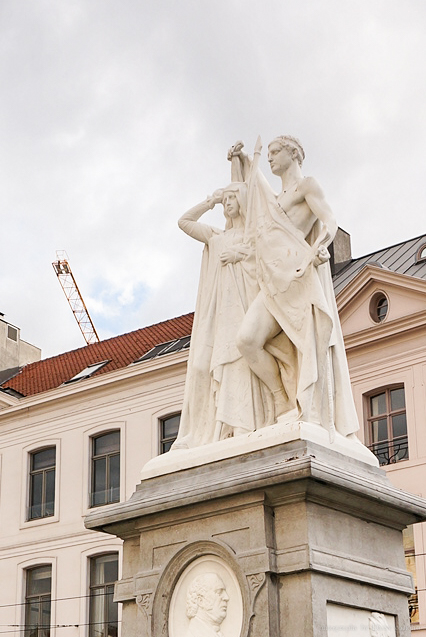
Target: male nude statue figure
(296, 298)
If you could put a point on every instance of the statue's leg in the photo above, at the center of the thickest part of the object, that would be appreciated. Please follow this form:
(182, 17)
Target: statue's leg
(258, 327)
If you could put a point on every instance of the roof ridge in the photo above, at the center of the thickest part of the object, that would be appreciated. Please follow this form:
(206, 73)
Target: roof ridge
(113, 338)
(363, 256)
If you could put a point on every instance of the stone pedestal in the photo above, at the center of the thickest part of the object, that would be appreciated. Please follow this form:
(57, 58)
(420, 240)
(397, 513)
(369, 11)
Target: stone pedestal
(307, 542)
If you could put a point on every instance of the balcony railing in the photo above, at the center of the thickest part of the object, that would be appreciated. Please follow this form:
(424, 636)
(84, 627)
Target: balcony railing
(390, 451)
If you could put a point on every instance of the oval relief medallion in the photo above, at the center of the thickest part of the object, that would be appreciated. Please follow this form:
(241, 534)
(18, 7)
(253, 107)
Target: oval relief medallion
(206, 601)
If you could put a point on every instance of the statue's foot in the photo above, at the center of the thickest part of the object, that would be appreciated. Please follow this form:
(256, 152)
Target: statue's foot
(354, 438)
(288, 416)
(181, 443)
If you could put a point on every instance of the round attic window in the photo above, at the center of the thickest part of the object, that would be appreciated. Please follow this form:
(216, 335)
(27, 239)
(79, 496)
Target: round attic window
(379, 307)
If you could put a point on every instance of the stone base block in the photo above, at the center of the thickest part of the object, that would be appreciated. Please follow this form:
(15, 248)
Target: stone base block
(290, 540)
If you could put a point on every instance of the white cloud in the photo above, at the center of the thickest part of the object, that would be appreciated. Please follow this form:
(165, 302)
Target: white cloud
(116, 118)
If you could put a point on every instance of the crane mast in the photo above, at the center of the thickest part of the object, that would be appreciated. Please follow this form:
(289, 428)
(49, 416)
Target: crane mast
(69, 285)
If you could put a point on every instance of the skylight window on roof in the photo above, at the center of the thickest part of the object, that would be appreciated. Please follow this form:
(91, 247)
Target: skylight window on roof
(86, 372)
(166, 348)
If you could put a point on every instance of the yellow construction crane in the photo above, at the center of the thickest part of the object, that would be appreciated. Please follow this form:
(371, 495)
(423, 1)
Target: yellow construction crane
(68, 283)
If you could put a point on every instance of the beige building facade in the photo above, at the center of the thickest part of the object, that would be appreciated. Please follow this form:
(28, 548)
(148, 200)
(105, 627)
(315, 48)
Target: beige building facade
(382, 307)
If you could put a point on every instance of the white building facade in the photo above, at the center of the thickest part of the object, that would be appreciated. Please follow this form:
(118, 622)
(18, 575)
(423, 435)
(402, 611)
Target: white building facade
(63, 452)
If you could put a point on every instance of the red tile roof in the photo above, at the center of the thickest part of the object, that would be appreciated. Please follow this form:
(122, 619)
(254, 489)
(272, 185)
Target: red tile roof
(119, 350)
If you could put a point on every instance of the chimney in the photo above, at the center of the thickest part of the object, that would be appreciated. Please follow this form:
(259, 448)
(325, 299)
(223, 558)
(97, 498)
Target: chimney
(340, 251)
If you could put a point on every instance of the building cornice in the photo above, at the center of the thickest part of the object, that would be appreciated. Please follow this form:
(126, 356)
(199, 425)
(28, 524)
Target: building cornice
(388, 330)
(6, 400)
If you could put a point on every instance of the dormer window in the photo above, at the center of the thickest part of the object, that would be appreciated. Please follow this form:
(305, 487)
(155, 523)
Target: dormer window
(421, 254)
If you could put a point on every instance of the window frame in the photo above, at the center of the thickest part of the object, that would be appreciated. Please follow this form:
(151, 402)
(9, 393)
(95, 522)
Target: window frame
(25, 482)
(92, 438)
(376, 305)
(90, 587)
(12, 333)
(31, 474)
(162, 439)
(369, 419)
(27, 598)
(111, 546)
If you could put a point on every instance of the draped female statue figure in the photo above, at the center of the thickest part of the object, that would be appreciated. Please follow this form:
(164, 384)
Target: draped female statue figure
(223, 397)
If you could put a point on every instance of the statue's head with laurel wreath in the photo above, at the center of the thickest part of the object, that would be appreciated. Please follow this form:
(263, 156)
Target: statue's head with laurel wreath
(291, 144)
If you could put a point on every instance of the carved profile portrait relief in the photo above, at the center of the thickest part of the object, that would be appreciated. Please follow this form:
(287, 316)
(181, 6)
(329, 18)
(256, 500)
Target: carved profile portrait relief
(206, 605)
(206, 601)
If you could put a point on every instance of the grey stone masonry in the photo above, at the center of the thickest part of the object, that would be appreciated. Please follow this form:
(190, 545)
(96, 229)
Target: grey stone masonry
(308, 534)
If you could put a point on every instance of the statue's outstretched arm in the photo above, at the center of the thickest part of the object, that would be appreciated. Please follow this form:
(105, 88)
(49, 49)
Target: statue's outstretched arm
(189, 221)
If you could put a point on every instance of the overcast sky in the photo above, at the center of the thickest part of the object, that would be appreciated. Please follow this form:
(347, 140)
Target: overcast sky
(116, 116)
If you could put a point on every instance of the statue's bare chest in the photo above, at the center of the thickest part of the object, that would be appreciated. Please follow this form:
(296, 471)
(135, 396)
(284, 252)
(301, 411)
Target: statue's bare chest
(293, 203)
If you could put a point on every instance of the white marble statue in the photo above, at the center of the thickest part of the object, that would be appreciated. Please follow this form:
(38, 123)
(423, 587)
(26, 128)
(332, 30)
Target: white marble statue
(266, 342)
(223, 397)
(291, 336)
(206, 606)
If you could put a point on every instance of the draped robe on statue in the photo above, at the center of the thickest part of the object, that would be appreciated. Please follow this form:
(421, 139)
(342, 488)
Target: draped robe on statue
(221, 392)
(300, 297)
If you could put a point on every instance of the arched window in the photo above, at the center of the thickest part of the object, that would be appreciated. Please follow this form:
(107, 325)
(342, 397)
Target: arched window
(41, 500)
(37, 601)
(387, 425)
(103, 613)
(169, 427)
(105, 461)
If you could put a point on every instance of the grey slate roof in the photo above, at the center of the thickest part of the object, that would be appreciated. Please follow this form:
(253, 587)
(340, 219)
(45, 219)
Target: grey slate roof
(400, 258)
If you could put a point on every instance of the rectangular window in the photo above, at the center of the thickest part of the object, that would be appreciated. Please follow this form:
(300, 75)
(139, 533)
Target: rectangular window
(103, 617)
(12, 333)
(169, 428)
(105, 469)
(387, 425)
(42, 483)
(37, 601)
